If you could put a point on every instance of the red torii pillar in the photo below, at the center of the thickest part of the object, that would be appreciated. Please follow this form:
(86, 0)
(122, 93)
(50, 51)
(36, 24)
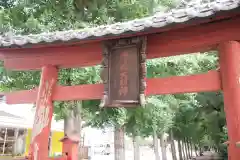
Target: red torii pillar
(230, 74)
(43, 116)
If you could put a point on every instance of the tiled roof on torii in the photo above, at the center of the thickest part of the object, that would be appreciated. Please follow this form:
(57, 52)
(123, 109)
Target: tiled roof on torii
(184, 13)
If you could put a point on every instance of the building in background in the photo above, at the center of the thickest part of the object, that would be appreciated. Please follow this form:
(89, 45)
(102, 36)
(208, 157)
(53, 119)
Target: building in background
(17, 122)
(16, 129)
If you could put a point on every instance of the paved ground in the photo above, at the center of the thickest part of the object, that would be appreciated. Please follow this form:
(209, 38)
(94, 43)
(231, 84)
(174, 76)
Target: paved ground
(145, 155)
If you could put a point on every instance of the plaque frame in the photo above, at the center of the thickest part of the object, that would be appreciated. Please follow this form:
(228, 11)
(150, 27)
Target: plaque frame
(108, 46)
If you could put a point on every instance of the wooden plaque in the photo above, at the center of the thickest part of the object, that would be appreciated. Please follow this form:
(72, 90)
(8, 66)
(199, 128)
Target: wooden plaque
(124, 72)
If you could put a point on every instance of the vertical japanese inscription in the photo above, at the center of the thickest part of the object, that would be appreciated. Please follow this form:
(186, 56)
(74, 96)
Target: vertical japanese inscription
(123, 89)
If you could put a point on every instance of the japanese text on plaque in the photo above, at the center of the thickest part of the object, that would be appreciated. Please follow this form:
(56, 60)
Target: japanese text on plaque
(123, 74)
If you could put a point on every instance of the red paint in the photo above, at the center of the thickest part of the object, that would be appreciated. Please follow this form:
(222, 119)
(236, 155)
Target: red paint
(57, 158)
(70, 147)
(74, 56)
(184, 84)
(230, 74)
(181, 84)
(1, 57)
(44, 112)
(229, 61)
(184, 40)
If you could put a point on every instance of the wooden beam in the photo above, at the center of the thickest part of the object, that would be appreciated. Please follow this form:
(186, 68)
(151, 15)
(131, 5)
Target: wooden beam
(169, 43)
(209, 81)
(170, 85)
(68, 56)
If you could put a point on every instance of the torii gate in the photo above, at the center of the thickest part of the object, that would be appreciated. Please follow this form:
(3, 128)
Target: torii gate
(209, 26)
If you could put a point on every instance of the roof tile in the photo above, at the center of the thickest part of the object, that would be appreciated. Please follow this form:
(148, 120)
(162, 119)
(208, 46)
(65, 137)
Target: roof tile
(178, 15)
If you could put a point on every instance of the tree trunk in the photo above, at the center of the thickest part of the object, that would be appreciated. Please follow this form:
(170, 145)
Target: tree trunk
(73, 121)
(119, 148)
(155, 144)
(196, 150)
(77, 110)
(173, 148)
(65, 124)
(200, 151)
(163, 147)
(189, 149)
(184, 150)
(69, 122)
(180, 150)
(136, 148)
